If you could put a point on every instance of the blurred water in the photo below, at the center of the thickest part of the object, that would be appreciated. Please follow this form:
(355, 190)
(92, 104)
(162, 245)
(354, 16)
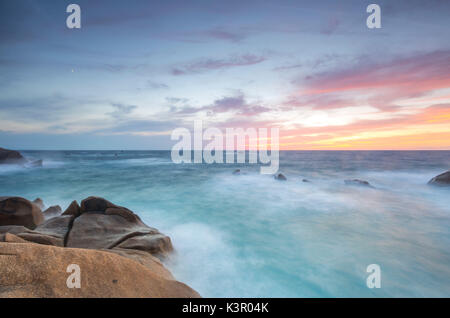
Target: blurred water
(250, 235)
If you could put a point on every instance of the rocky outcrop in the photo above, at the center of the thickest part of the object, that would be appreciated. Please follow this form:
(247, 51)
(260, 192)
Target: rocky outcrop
(40, 203)
(52, 211)
(72, 209)
(441, 180)
(33, 270)
(19, 211)
(280, 177)
(358, 182)
(95, 225)
(102, 224)
(11, 157)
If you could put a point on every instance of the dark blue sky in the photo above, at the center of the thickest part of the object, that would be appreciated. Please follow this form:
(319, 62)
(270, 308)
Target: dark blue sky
(138, 69)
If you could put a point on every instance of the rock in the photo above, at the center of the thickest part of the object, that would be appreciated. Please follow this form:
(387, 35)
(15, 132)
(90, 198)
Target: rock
(145, 259)
(280, 177)
(103, 225)
(11, 238)
(31, 236)
(40, 203)
(305, 180)
(33, 270)
(34, 164)
(73, 209)
(11, 157)
(155, 244)
(52, 211)
(441, 180)
(237, 172)
(19, 211)
(125, 264)
(358, 182)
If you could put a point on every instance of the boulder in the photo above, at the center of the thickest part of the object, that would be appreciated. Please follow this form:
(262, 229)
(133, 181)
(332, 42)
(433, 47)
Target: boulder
(19, 211)
(441, 180)
(11, 238)
(358, 182)
(103, 225)
(52, 211)
(31, 236)
(280, 177)
(72, 209)
(33, 270)
(126, 262)
(11, 157)
(40, 203)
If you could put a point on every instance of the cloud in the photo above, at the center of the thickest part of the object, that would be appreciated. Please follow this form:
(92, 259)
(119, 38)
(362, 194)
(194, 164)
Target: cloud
(381, 84)
(121, 110)
(204, 65)
(140, 127)
(157, 85)
(229, 104)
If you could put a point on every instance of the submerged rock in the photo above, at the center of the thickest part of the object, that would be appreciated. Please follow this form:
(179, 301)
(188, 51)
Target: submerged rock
(280, 177)
(11, 157)
(19, 211)
(441, 180)
(34, 164)
(358, 182)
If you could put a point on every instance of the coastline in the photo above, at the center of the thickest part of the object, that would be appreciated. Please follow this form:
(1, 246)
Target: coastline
(114, 252)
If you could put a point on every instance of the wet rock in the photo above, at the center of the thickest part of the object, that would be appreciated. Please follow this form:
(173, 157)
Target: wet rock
(305, 180)
(358, 182)
(104, 225)
(237, 172)
(280, 177)
(34, 164)
(11, 157)
(19, 211)
(441, 180)
(52, 211)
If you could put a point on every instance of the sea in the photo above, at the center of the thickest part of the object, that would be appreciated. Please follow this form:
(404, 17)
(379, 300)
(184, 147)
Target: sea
(250, 235)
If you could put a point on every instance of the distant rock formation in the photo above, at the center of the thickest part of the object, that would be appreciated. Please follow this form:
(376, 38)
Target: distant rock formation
(441, 180)
(280, 177)
(115, 249)
(358, 182)
(11, 157)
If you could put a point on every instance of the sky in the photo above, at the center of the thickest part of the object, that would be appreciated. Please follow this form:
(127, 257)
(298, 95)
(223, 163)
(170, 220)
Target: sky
(136, 70)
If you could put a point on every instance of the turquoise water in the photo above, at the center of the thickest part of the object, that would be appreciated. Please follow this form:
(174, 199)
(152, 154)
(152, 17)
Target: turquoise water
(250, 235)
